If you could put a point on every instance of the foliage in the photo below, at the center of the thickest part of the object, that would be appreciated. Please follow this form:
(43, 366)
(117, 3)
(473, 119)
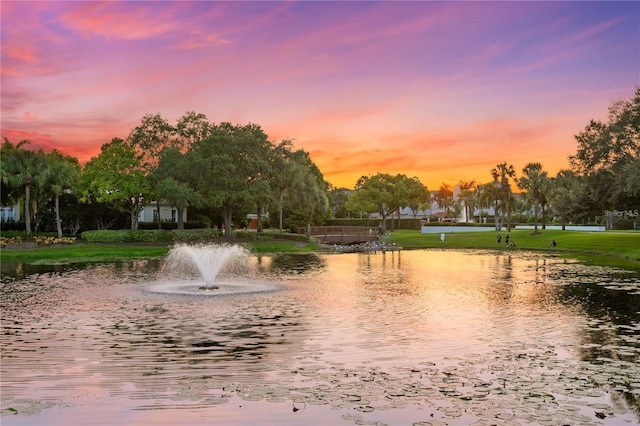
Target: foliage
(230, 164)
(25, 169)
(308, 199)
(225, 171)
(194, 235)
(535, 182)
(267, 236)
(563, 193)
(608, 159)
(338, 197)
(279, 246)
(174, 180)
(377, 193)
(116, 177)
(444, 198)
(468, 197)
(64, 172)
(127, 236)
(298, 186)
(167, 224)
(502, 175)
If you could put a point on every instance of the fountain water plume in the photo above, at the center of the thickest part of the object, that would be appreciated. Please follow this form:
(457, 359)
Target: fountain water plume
(208, 260)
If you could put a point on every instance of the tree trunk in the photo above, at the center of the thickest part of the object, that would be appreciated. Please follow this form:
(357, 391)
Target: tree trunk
(535, 217)
(158, 210)
(134, 219)
(228, 215)
(495, 215)
(27, 211)
(281, 202)
(259, 218)
(180, 217)
(58, 221)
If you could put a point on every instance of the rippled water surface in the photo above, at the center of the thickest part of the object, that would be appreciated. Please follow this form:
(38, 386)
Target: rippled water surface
(403, 338)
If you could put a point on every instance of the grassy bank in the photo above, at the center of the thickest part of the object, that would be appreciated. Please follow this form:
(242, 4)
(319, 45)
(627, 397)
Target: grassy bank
(605, 248)
(99, 252)
(611, 248)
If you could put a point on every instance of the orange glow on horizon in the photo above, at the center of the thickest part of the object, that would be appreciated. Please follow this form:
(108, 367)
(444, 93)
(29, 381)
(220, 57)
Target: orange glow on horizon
(443, 91)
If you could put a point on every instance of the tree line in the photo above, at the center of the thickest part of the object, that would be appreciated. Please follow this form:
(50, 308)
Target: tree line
(227, 169)
(603, 181)
(232, 170)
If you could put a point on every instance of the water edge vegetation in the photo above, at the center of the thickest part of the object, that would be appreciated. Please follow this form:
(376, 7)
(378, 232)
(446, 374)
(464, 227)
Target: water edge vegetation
(621, 249)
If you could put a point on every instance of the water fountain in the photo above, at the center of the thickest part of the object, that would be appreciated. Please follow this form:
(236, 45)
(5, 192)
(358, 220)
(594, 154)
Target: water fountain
(225, 269)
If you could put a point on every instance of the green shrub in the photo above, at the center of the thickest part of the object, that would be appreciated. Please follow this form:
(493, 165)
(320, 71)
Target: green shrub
(292, 237)
(14, 234)
(12, 226)
(269, 236)
(253, 235)
(127, 236)
(195, 235)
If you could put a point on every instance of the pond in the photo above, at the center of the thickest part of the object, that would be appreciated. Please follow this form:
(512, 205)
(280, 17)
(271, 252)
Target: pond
(425, 337)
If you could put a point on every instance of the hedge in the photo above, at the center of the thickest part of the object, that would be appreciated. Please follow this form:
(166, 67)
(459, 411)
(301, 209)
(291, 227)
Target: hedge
(266, 236)
(195, 224)
(194, 235)
(127, 236)
(190, 235)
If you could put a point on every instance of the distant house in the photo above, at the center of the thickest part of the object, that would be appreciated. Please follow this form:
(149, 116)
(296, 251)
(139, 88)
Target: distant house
(168, 213)
(10, 213)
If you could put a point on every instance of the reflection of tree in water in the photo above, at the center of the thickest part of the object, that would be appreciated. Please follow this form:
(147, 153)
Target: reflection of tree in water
(18, 271)
(296, 263)
(381, 274)
(612, 335)
(153, 343)
(11, 270)
(500, 286)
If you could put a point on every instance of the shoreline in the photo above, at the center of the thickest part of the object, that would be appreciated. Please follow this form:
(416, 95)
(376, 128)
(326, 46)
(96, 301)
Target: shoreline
(602, 248)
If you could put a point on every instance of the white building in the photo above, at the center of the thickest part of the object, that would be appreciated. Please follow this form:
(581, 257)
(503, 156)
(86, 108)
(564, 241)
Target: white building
(10, 213)
(168, 213)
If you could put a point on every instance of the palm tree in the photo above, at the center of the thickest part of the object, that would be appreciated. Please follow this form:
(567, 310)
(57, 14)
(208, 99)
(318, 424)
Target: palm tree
(444, 197)
(534, 182)
(24, 168)
(63, 174)
(489, 194)
(468, 198)
(501, 174)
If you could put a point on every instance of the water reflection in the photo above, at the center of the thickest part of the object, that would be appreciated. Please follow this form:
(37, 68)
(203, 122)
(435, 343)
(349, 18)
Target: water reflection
(394, 338)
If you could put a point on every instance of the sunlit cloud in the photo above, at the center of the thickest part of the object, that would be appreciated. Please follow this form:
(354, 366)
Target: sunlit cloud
(439, 90)
(117, 20)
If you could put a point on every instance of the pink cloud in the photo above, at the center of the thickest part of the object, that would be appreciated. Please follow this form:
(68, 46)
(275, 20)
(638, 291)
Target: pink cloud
(434, 89)
(118, 20)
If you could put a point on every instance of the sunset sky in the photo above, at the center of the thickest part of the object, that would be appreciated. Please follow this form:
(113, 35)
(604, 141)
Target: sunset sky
(439, 90)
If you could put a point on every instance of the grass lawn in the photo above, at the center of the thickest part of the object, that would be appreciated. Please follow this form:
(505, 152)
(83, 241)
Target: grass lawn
(615, 247)
(82, 252)
(96, 252)
(604, 248)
